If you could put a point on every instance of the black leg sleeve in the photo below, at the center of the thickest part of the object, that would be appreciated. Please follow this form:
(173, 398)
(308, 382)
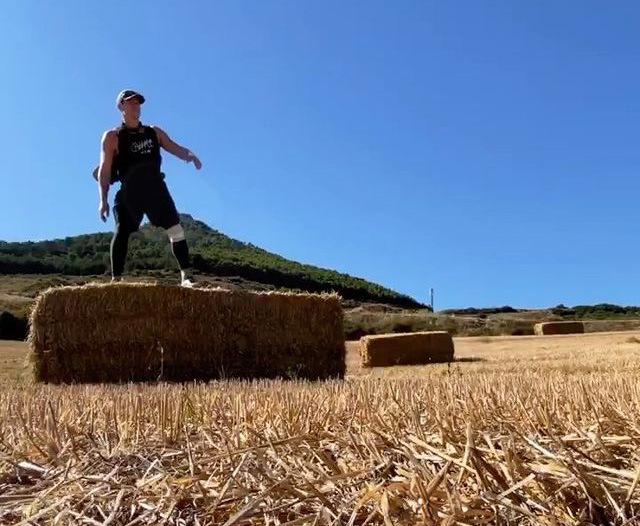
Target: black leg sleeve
(181, 252)
(119, 246)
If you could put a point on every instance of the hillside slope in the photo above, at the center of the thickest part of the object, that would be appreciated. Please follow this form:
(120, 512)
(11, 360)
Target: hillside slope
(212, 253)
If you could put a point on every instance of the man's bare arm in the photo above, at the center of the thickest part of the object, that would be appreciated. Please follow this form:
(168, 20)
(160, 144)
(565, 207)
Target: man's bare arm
(107, 151)
(179, 151)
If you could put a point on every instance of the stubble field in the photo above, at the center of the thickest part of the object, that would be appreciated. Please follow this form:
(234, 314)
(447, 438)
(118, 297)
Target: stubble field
(518, 430)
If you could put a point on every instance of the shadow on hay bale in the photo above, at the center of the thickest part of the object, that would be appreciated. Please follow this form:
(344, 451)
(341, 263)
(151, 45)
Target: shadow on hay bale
(406, 349)
(141, 332)
(558, 327)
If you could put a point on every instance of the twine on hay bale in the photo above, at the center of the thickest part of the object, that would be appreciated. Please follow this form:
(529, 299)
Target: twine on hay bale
(558, 327)
(137, 332)
(406, 348)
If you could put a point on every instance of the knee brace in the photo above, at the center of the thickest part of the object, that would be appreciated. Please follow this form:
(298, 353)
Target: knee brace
(175, 233)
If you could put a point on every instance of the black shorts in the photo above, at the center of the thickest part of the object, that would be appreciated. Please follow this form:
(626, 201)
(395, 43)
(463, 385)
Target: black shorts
(144, 194)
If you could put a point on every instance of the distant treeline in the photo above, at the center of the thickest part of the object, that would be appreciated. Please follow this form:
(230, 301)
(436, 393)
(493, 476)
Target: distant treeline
(472, 311)
(211, 253)
(599, 311)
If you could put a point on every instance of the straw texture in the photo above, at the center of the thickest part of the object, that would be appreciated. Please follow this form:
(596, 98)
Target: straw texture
(138, 332)
(558, 327)
(406, 349)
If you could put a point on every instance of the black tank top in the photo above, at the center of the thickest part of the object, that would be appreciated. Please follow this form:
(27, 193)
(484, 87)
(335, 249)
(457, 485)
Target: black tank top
(138, 151)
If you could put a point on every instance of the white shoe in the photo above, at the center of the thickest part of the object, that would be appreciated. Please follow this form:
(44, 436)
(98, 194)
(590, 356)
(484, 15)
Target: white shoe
(186, 281)
(117, 279)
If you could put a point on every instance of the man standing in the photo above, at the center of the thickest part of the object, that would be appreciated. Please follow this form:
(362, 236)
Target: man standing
(131, 154)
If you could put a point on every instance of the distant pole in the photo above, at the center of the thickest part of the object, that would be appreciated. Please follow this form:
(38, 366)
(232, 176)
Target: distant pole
(432, 299)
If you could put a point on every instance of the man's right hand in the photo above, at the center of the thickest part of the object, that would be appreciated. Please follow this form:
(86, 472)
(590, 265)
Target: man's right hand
(103, 172)
(104, 211)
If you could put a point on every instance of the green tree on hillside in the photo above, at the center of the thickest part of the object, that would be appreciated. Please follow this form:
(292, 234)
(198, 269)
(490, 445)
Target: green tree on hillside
(212, 253)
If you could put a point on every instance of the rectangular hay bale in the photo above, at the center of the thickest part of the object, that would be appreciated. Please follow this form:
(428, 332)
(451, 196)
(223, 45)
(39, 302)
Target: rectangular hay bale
(558, 327)
(139, 332)
(406, 349)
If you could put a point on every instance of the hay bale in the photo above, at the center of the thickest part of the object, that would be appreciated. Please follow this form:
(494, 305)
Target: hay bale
(138, 332)
(558, 327)
(406, 349)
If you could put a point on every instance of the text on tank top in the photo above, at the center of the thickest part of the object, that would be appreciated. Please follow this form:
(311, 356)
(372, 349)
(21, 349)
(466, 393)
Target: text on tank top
(138, 149)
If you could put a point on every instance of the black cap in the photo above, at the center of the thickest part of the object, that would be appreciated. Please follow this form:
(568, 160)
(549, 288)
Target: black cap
(128, 94)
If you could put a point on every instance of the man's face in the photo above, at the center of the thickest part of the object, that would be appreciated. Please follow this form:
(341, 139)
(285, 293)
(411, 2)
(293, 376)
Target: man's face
(131, 108)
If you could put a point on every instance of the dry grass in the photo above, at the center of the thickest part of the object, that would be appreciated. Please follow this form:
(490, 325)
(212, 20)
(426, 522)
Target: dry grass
(520, 430)
(13, 367)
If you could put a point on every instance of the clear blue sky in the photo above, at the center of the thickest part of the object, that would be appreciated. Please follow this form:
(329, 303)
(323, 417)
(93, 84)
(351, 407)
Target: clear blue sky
(488, 149)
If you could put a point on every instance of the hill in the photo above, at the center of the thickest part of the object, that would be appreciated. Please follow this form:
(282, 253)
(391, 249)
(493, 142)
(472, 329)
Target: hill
(212, 254)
